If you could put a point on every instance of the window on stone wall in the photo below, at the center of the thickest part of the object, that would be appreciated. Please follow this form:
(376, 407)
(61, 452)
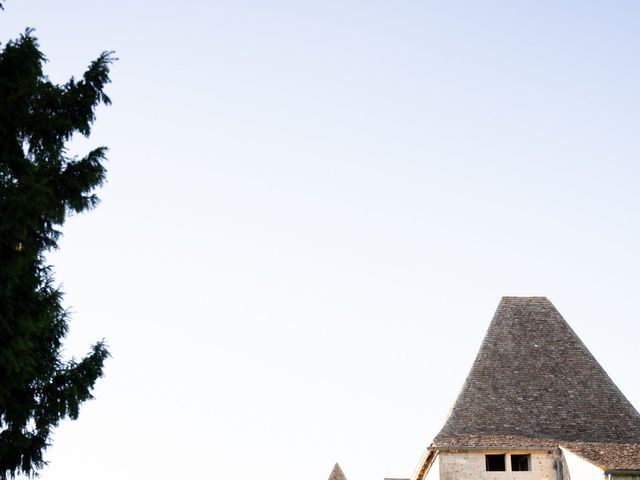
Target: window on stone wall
(520, 463)
(495, 463)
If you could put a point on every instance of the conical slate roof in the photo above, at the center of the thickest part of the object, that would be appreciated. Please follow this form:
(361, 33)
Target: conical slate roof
(534, 383)
(337, 474)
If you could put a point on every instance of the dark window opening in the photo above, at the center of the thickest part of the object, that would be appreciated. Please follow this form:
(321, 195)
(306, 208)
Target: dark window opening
(520, 463)
(495, 463)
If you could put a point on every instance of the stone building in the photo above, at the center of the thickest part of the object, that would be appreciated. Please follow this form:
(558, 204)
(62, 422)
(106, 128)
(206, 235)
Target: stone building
(536, 405)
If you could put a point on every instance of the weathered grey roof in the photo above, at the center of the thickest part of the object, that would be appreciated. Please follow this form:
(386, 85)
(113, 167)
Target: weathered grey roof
(535, 384)
(609, 456)
(337, 474)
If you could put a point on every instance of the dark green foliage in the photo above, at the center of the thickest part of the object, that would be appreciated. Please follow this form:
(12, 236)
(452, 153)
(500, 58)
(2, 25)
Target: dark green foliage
(39, 186)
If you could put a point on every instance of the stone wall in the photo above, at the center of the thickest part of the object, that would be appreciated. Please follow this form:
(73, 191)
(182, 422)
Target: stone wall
(472, 466)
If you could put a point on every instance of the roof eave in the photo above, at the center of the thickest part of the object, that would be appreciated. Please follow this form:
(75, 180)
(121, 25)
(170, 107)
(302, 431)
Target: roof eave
(532, 448)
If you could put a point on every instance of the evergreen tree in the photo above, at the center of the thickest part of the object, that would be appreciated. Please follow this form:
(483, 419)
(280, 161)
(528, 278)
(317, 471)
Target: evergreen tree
(40, 184)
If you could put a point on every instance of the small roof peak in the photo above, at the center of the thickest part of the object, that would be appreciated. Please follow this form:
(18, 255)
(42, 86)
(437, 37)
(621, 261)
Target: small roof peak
(337, 473)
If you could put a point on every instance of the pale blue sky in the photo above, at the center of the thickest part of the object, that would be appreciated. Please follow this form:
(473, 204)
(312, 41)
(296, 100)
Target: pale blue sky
(313, 209)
